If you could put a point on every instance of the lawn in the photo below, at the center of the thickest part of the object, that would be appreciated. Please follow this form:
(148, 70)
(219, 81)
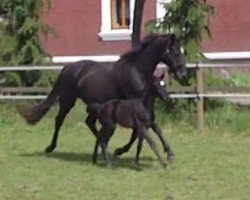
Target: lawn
(208, 166)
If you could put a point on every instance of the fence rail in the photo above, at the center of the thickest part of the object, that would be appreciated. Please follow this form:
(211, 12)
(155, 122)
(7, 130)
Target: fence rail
(59, 67)
(30, 68)
(198, 92)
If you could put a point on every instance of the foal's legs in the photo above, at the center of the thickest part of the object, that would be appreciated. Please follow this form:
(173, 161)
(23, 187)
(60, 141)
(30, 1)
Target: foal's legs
(125, 148)
(158, 131)
(65, 106)
(153, 146)
(164, 142)
(140, 135)
(143, 133)
(103, 139)
(90, 121)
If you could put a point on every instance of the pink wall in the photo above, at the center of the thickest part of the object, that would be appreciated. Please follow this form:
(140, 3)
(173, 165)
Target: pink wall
(231, 27)
(78, 23)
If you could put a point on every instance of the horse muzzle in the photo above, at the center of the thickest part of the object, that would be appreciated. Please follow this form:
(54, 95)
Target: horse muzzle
(181, 72)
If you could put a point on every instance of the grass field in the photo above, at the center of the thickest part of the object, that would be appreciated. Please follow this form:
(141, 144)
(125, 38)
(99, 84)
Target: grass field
(209, 166)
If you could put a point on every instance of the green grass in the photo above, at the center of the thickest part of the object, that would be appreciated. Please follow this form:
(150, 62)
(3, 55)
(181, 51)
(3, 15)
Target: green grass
(209, 166)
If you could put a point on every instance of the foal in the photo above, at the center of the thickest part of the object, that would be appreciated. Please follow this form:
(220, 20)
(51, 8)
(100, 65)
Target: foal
(128, 113)
(157, 89)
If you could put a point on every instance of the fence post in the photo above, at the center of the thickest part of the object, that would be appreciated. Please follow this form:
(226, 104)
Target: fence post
(200, 99)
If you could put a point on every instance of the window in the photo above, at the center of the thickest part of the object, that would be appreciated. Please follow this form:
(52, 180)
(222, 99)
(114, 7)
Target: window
(117, 18)
(120, 17)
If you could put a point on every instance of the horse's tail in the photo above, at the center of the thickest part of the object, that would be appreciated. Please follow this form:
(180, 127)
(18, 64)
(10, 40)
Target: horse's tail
(93, 109)
(34, 114)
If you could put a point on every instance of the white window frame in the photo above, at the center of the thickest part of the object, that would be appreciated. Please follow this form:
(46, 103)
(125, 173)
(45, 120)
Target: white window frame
(108, 34)
(160, 11)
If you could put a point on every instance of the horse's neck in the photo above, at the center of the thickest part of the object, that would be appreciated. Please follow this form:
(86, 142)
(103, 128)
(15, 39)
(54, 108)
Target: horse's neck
(147, 61)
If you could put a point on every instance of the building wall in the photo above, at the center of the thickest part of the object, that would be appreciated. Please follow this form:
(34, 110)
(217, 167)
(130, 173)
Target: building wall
(78, 23)
(230, 27)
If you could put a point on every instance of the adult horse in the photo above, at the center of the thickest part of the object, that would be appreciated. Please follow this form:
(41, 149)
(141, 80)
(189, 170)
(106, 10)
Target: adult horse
(94, 83)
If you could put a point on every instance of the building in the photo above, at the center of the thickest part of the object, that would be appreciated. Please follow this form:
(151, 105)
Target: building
(101, 29)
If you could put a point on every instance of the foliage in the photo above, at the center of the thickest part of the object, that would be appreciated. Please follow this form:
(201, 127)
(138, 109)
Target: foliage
(177, 111)
(220, 114)
(20, 33)
(189, 20)
(226, 78)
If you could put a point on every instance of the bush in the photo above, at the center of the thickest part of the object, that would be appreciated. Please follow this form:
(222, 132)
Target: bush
(20, 38)
(189, 20)
(220, 115)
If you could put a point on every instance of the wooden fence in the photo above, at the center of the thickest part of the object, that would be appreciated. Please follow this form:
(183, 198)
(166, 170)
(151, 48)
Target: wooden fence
(197, 92)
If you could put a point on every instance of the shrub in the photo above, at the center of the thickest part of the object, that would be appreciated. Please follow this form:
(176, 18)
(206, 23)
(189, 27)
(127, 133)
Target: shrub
(189, 20)
(20, 43)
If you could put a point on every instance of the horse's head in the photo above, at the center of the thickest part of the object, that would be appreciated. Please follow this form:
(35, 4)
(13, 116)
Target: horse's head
(174, 58)
(159, 88)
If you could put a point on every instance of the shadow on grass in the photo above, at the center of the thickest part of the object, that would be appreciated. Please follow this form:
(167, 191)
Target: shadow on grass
(117, 162)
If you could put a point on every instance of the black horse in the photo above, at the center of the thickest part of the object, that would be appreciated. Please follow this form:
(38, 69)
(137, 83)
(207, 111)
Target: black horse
(94, 83)
(130, 114)
(157, 89)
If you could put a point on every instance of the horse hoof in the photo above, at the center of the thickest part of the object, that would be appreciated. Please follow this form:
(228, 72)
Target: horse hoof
(49, 149)
(94, 162)
(164, 164)
(137, 166)
(171, 158)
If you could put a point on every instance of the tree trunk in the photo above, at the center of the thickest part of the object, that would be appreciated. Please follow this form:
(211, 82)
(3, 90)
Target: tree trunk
(138, 13)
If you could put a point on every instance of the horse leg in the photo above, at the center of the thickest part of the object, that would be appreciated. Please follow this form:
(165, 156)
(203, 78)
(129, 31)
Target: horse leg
(111, 130)
(103, 137)
(65, 107)
(139, 147)
(90, 121)
(95, 153)
(153, 146)
(164, 142)
(125, 148)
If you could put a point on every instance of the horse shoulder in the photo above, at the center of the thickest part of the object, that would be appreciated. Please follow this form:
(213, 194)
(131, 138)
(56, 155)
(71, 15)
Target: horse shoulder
(133, 83)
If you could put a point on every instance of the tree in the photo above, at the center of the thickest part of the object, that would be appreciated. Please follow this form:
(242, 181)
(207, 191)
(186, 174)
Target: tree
(189, 20)
(137, 22)
(20, 43)
(20, 33)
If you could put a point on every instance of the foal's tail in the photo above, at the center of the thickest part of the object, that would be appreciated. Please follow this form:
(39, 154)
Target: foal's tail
(34, 114)
(93, 109)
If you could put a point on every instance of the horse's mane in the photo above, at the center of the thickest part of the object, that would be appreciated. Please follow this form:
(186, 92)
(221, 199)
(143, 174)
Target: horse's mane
(133, 53)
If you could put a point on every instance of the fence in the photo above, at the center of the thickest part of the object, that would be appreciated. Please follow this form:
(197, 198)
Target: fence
(197, 92)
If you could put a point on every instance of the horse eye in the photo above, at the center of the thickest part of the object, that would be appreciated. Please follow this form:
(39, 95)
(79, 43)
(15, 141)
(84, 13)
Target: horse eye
(162, 83)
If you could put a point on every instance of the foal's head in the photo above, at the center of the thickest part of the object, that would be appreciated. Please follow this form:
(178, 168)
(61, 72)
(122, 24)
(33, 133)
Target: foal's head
(158, 88)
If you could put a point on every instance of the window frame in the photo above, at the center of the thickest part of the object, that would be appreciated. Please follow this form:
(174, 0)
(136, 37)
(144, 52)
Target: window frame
(114, 24)
(160, 11)
(109, 34)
